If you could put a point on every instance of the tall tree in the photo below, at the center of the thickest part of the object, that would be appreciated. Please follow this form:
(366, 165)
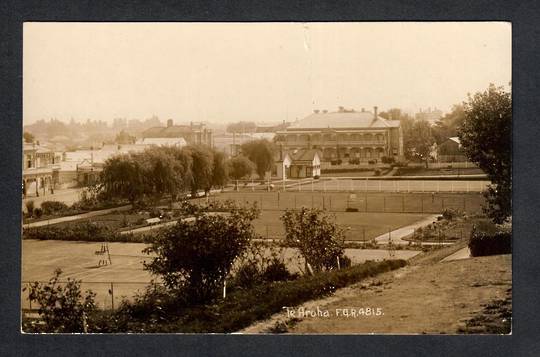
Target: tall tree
(123, 177)
(418, 140)
(124, 138)
(447, 126)
(203, 163)
(28, 137)
(260, 152)
(220, 170)
(240, 167)
(486, 137)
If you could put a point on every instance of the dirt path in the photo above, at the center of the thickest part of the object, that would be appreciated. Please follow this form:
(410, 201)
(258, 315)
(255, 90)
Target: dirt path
(428, 298)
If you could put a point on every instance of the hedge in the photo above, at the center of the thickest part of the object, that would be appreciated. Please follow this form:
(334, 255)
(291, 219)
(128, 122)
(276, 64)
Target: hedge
(482, 243)
(80, 232)
(242, 307)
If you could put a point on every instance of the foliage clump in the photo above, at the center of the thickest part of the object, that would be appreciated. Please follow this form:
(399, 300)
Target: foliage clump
(193, 258)
(318, 238)
(486, 137)
(62, 307)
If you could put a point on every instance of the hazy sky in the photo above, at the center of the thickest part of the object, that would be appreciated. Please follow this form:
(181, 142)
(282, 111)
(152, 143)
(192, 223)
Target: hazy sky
(260, 72)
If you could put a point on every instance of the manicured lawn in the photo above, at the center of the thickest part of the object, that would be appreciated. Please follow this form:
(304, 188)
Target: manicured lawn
(373, 202)
(358, 226)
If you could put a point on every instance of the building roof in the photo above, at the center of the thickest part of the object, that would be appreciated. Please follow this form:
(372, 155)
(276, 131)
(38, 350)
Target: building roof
(163, 141)
(171, 131)
(337, 120)
(40, 149)
(304, 155)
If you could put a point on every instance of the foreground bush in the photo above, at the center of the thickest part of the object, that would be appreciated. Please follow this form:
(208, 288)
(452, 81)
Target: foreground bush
(316, 235)
(194, 258)
(482, 243)
(54, 207)
(62, 307)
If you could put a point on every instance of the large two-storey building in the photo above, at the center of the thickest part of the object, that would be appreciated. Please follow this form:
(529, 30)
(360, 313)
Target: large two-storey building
(345, 134)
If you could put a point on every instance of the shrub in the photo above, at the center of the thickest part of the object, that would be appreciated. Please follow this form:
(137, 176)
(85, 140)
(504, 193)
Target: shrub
(53, 207)
(481, 243)
(61, 307)
(38, 212)
(387, 160)
(317, 237)
(196, 257)
(316, 177)
(354, 161)
(277, 271)
(372, 162)
(377, 172)
(450, 214)
(29, 207)
(247, 276)
(351, 209)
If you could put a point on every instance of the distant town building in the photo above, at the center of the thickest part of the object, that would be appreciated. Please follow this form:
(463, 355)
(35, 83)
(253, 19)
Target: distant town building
(230, 143)
(40, 172)
(272, 128)
(429, 115)
(345, 134)
(195, 133)
(177, 142)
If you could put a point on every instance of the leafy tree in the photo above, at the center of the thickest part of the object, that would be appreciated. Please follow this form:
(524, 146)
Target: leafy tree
(203, 163)
(123, 177)
(28, 137)
(240, 167)
(220, 170)
(418, 140)
(124, 138)
(62, 306)
(194, 258)
(315, 234)
(447, 126)
(486, 137)
(395, 114)
(260, 152)
(162, 172)
(242, 127)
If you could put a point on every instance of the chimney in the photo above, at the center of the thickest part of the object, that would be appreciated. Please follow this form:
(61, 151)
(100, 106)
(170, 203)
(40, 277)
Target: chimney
(375, 112)
(169, 123)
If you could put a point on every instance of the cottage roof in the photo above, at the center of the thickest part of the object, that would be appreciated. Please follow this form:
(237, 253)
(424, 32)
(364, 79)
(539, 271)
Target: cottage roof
(455, 139)
(305, 155)
(347, 119)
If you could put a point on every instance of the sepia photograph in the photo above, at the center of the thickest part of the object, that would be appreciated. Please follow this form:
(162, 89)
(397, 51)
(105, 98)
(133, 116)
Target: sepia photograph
(299, 178)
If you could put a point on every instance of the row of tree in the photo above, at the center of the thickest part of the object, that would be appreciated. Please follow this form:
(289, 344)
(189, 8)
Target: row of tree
(172, 171)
